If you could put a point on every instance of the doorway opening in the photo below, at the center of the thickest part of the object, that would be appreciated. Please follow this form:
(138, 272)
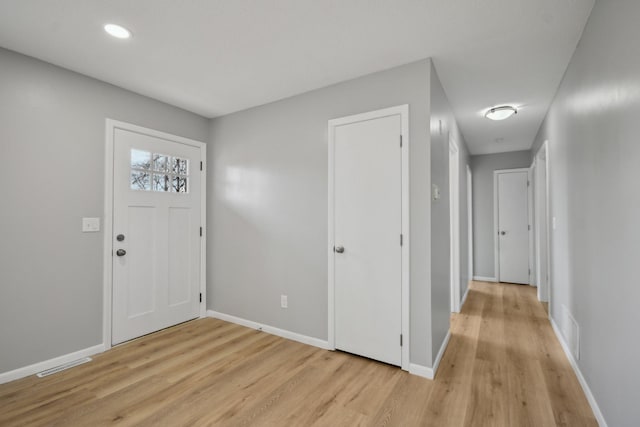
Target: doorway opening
(470, 222)
(454, 224)
(541, 214)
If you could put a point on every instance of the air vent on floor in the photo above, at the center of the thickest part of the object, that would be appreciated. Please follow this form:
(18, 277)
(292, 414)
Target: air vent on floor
(571, 332)
(63, 367)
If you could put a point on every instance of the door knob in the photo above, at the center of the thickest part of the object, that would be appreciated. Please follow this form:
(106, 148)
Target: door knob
(121, 252)
(503, 233)
(339, 249)
(120, 237)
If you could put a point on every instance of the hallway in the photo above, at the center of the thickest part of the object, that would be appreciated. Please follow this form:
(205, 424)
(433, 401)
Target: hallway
(503, 367)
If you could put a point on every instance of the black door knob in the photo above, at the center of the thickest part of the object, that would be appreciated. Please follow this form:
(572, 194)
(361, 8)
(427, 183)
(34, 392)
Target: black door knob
(121, 252)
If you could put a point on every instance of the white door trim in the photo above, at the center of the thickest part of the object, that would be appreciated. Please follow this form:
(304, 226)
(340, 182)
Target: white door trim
(542, 281)
(470, 220)
(496, 241)
(107, 277)
(531, 213)
(454, 224)
(403, 111)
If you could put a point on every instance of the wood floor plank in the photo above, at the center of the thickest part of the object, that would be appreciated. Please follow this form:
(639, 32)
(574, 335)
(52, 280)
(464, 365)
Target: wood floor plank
(503, 367)
(451, 389)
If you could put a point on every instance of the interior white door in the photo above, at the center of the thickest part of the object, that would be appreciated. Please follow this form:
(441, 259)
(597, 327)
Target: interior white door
(368, 224)
(156, 234)
(513, 226)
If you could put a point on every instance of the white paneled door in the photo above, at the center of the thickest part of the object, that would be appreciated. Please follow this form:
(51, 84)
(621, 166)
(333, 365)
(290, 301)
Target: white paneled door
(367, 230)
(513, 225)
(156, 234)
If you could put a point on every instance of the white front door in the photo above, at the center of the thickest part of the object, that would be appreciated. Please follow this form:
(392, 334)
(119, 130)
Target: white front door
(513, 226)
(367, 227)
(156, 234)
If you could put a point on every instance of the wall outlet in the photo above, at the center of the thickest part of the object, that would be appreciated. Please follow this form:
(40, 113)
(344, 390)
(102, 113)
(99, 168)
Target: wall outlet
(284, 303)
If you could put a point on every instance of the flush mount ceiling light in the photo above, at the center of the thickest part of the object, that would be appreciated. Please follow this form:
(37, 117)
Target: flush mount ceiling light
(117, 31)
(501, 113)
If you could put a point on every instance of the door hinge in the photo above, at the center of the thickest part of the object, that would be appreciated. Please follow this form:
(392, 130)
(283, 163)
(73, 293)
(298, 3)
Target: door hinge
(400, 141)
(527, 183)
(200, 231)
(529, 227)
(200, 165)
(529, 272)
(401, 239)
(400, 340)
(200, 296)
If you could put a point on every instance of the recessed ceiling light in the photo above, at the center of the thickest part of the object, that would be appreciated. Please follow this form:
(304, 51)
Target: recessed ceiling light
(501, 113)
(117, 31)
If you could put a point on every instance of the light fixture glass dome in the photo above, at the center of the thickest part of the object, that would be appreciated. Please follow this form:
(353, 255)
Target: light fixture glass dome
(501, 113)
(117, 31)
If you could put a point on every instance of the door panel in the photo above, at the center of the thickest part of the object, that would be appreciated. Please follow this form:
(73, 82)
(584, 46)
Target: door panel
(156, 280)
(368, 222)
(513, 227)
(179, 255)
(139, 262)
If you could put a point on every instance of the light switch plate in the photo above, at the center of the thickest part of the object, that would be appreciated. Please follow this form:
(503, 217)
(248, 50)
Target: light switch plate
(90, 225)
(435, 191)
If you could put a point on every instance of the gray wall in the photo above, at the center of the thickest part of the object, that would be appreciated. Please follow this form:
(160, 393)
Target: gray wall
(443, 124)
(593, 129)
(267, 206)
(52, 127)
(482, 168)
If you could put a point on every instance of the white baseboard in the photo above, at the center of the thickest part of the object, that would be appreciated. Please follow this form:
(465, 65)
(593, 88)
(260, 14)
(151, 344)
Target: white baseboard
(485, 279)
(443, 347)
(585, 387)
(464, 298)
(16, 374)
(426, 372)
(421, 371)
(316, 342)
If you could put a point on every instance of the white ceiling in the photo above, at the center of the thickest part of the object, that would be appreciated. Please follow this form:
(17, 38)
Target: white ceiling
(219, 56)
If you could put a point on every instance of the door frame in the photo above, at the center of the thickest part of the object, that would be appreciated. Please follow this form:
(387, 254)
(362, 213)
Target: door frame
(531, 213)
(107, 279)
(470, 220)
(403, 111)
(543, 285)
(454, 224)
(496, 240)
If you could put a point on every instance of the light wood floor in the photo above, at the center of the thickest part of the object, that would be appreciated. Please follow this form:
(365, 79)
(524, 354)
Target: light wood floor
(503, 367)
